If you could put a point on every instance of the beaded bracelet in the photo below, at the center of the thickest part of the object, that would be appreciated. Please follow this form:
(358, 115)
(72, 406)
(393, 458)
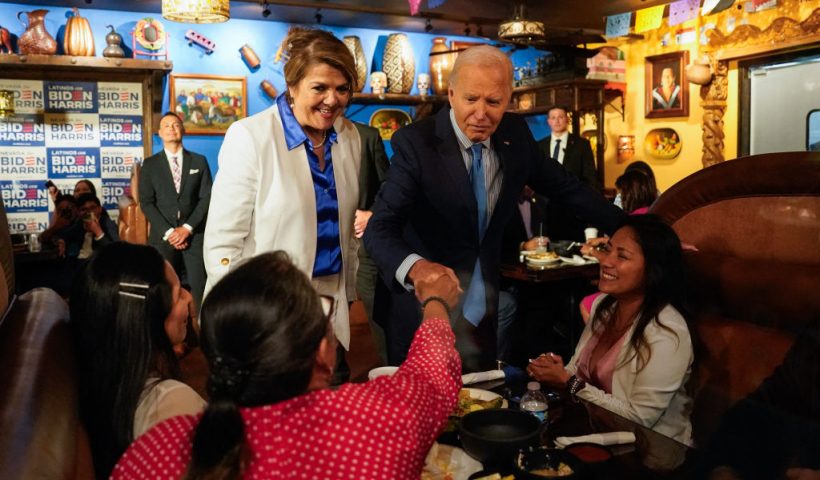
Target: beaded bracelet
(574, 385)
(434, 298)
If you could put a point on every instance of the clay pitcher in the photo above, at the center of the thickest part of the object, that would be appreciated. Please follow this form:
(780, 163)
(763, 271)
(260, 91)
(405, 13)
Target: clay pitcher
(36, 39)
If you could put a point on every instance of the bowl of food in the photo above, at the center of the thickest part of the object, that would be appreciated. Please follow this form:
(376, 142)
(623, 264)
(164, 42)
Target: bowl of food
(495, 436)
(542, 462)
(595, 456)
(544, 258)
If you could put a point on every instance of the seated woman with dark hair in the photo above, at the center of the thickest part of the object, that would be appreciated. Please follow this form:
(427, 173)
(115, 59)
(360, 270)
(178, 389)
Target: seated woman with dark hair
(635, 356)
(128, 311)
(271, 348)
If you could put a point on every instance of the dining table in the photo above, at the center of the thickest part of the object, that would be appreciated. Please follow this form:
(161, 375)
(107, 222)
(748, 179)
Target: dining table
(651, 456)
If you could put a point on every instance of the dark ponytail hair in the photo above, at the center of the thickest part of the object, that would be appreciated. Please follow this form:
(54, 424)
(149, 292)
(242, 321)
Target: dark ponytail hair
(118, 309)
(261, 327)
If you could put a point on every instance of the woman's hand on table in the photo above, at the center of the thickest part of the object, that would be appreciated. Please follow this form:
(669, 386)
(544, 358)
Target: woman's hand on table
(548, 368)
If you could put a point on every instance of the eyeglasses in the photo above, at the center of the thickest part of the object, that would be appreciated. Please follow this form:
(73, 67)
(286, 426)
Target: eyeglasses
(327, 305)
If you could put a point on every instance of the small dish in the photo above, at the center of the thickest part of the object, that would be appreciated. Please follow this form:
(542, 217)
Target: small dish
(575, 260)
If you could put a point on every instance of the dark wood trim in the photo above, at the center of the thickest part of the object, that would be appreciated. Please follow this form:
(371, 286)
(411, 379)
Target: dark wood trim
(397, 99)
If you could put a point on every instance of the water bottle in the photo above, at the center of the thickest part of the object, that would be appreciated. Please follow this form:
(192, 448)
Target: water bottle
(534, 401)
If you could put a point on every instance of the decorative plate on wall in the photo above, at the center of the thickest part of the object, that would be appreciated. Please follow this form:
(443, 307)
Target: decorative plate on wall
(662, 143)
(388, 120)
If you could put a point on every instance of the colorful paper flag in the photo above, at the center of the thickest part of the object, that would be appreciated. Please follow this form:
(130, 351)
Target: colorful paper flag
(763, 4)
(649, 18)
(414, 6)
(618, 25)
(435, 3)
(682, 11)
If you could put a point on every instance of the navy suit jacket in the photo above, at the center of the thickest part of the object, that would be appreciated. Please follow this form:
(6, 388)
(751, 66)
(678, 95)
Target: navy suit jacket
(578, 158)
(427, 206)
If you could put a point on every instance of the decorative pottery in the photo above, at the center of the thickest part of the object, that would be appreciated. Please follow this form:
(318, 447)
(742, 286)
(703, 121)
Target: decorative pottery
(36, 39)
(699, 72)
(388, 120)
(378, 82)
(423, 84)
(662, 143)
(441, 64)
(398, 64)
(626, 148)
(113, 41)
(78, 39)
(268, 88)
(353, 44)
(249, 56)
(5, 41)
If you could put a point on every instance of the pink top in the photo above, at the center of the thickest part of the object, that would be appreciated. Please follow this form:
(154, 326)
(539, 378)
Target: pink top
(600, 374)
(379, 429)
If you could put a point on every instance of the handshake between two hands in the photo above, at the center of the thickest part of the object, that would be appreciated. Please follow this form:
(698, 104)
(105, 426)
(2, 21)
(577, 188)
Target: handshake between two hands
(432, 279)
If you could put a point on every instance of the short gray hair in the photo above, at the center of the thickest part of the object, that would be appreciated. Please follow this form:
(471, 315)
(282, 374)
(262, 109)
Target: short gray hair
(484, 56)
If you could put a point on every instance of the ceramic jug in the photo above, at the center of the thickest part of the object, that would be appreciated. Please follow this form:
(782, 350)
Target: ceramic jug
(36, 39)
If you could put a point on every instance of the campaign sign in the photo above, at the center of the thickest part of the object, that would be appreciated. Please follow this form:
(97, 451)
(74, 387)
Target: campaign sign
(119, 162)
(112, 190)
(72, 130)
(120, 131)
(120, 98)
(28, 94)
(28, 222)
(20, 163)
(24, 195)
(73, 162)
(71, 97)
(23, 130)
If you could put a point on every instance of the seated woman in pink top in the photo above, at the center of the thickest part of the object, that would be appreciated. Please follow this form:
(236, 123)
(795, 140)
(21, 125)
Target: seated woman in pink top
(638, 192)
(635, 356)
(270, 345)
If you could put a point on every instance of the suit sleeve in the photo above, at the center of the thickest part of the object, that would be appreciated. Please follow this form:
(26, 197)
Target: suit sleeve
(548, 178)
(383, 237)
(148, 197)
(588, 173)
(200, 213)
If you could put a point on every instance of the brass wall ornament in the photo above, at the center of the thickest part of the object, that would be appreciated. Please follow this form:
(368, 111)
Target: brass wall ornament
(6, 104)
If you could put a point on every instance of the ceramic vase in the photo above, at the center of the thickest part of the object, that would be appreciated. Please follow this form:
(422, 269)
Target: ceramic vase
(355, 46)
(399, 64)
(249, 56)
(441, 64)
(36, 40)
(113, 41)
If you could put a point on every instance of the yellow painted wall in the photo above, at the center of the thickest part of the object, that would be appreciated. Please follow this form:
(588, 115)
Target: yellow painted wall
(669, 172)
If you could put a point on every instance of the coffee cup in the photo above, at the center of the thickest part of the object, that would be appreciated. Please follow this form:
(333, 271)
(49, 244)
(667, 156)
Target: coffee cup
(590, 233)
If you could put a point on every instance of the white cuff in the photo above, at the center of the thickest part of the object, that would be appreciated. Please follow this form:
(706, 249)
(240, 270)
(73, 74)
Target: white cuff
(97, 239)
(168, 233)
(188, 227)
(404, 269)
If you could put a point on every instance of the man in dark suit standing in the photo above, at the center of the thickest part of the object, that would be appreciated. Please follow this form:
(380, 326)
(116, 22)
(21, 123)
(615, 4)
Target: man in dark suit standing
(453, 183)
(574, 153)
(175, 190)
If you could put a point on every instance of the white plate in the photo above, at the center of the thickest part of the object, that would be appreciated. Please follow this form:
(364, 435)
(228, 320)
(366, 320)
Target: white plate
(540, 261)
(485, 395)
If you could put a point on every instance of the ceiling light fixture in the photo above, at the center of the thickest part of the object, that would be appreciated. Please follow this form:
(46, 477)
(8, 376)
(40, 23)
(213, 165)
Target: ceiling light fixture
(265, 9)
(519, 29)
(196, 11)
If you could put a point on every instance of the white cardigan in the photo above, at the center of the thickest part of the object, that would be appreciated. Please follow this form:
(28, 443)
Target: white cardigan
(263, 200)
(656, 396)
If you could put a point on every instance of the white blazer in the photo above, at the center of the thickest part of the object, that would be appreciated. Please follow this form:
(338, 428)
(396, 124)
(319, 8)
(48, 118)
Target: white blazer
(263, 200)
(656, 396)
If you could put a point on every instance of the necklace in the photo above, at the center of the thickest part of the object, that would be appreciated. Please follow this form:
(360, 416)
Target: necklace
(324, 138)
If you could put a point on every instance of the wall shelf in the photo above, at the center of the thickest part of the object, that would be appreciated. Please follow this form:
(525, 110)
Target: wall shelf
(397, 99)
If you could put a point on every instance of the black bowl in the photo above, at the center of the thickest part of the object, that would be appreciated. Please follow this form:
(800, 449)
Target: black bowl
(542, 457)
(495, 436)
(561, 247)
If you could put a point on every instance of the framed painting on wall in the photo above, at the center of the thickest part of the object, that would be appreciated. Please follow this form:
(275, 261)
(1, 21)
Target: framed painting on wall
(667, 90)
(208, 104)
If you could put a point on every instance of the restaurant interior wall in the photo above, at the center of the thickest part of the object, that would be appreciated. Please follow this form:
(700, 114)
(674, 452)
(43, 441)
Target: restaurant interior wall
(263, 36)
(669, 172)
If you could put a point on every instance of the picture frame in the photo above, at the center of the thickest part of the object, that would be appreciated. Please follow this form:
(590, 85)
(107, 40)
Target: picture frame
(208, 104)
(667, 89)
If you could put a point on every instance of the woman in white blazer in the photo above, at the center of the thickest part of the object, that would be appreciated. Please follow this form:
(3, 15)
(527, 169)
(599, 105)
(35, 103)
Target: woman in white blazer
(288, 176)
(635, 356)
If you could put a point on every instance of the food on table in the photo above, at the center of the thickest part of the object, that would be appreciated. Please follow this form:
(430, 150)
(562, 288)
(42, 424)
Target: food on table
(467, 403)
(562, 471)
(543, 256)
(496, 476)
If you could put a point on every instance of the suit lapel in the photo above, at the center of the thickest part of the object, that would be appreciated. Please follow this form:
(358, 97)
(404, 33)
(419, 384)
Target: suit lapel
(452, 160)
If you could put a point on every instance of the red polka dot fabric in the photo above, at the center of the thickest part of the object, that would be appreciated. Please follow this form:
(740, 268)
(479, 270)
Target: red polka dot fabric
(381, 429)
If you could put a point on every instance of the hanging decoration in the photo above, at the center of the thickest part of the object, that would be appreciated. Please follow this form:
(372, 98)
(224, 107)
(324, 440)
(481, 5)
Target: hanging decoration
(414, 6)
(196, 11)
(435, 3)
(150, 35)
(201, 40)
(618, 25)
(520, 29)
(759, 5)
(682, 11)
(648, 18)
(715, 6)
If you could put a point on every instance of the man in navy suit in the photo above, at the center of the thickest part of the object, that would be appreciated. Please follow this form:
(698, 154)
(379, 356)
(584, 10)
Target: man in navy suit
(453, 184)
(175, 190)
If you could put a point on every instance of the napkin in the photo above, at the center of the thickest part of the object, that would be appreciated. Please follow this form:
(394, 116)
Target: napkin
(574, 260)
(478, 377)
(608, 438)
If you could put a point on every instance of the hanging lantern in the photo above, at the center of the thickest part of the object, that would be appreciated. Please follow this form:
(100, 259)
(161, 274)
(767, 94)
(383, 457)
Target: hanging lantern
(519, 29)
(196, 11)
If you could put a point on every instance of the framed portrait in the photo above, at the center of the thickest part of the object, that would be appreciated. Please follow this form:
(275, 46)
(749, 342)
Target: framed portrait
(208, 104)
(667, 90)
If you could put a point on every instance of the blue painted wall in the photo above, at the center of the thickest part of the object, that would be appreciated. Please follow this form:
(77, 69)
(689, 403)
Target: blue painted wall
(263, 36)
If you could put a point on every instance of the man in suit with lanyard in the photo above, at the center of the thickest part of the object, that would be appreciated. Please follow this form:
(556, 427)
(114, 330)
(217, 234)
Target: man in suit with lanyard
(175, 190)
(453, 184)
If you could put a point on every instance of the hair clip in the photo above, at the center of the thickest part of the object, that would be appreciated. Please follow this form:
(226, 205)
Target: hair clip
(143, 286)
(290, 45)
(132, 295)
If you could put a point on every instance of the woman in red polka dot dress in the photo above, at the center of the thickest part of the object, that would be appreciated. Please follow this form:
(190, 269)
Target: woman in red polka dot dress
(271, 350)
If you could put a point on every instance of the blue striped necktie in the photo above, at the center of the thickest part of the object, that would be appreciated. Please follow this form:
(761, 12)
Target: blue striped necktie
(475, 301)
